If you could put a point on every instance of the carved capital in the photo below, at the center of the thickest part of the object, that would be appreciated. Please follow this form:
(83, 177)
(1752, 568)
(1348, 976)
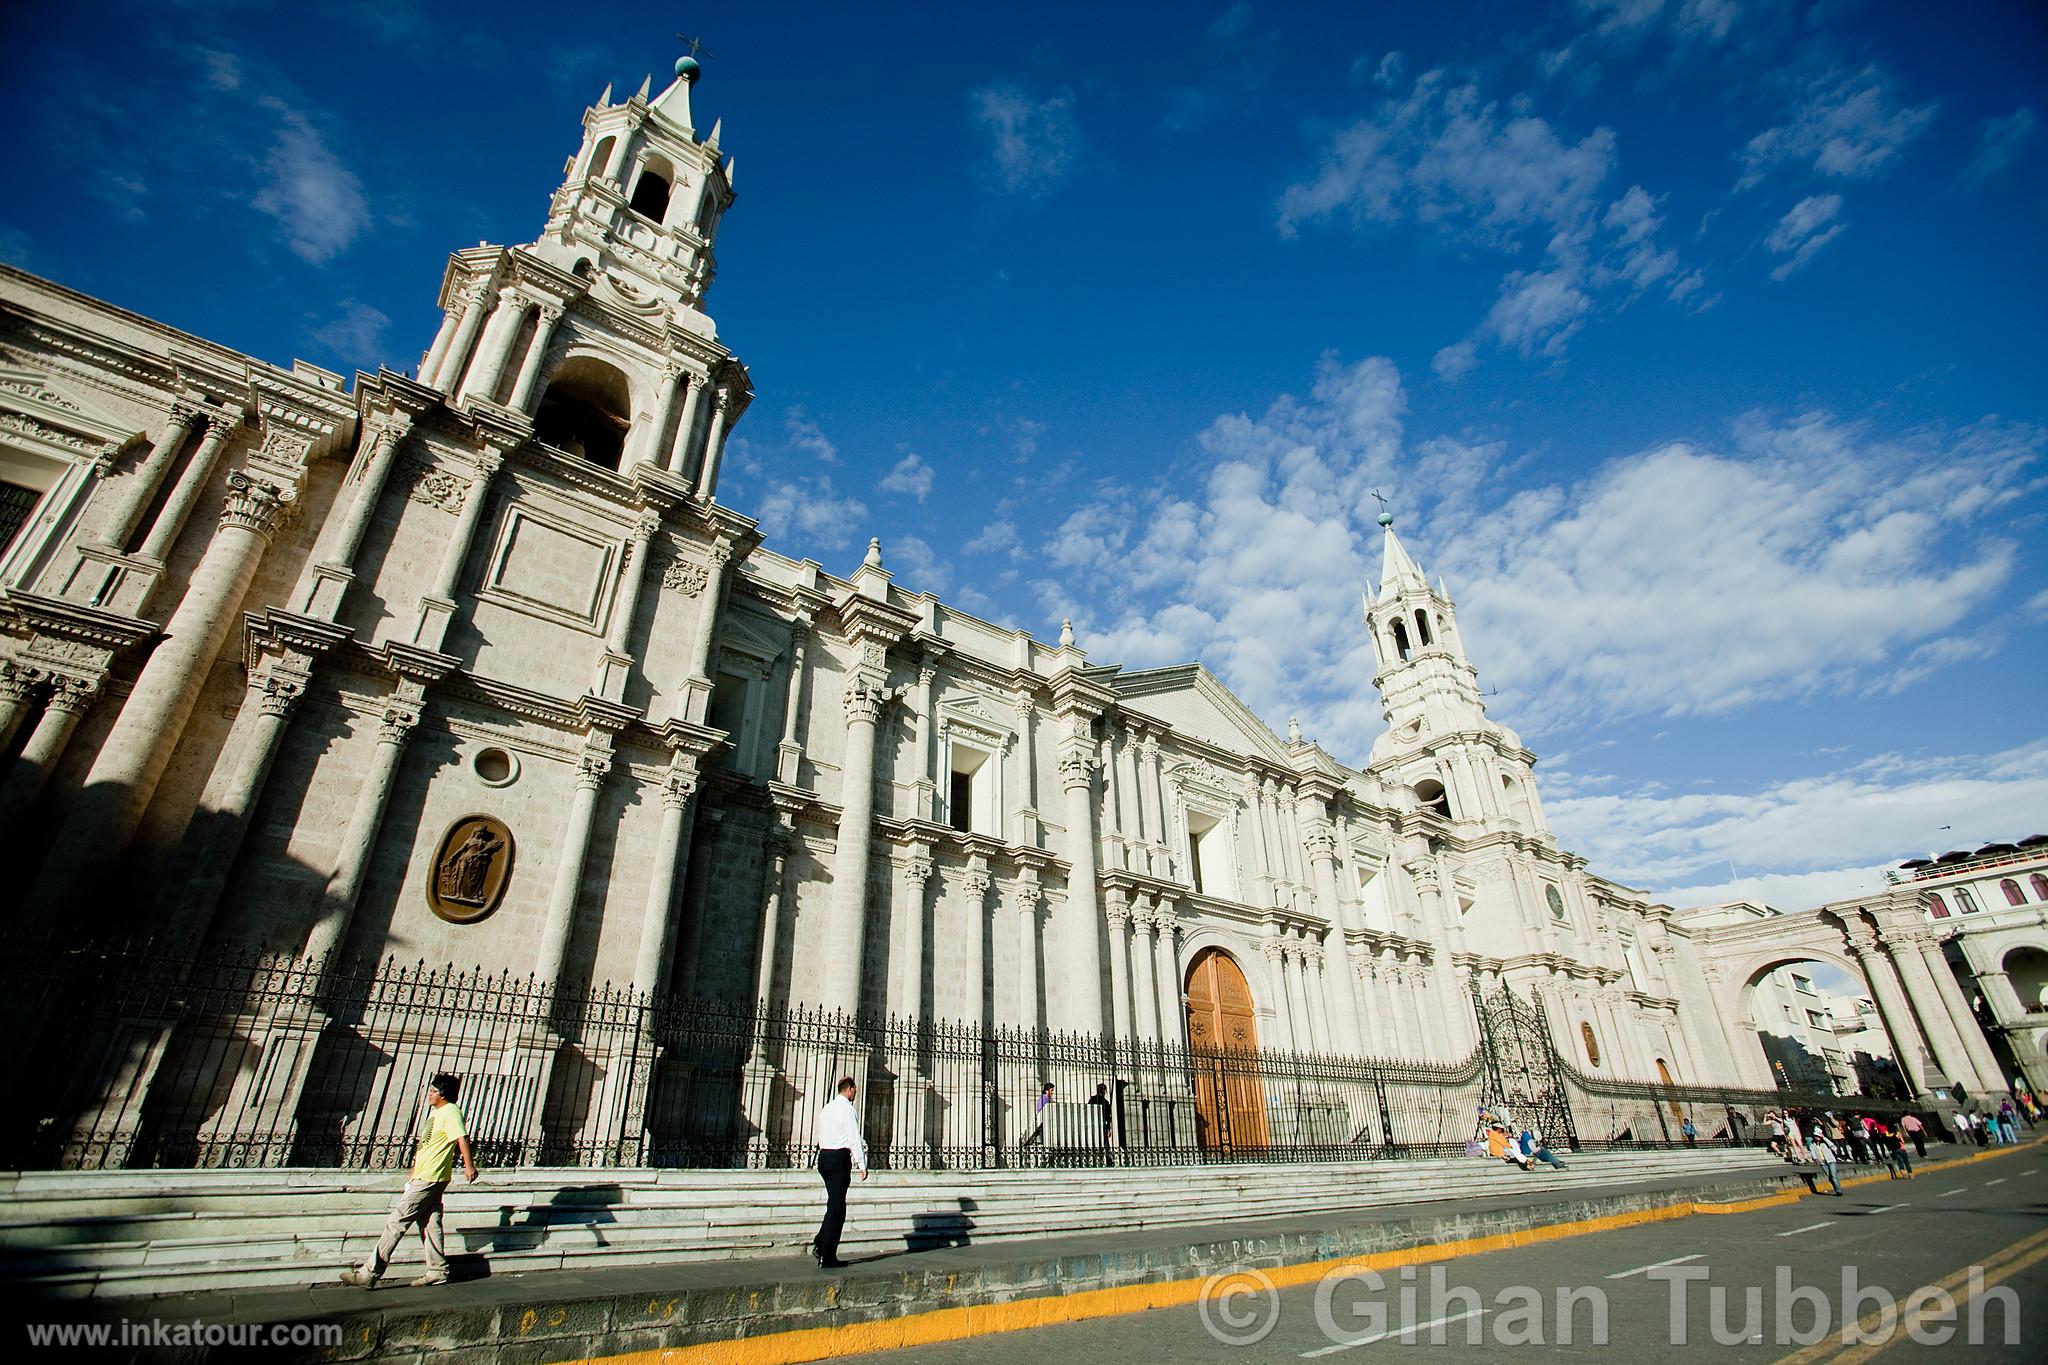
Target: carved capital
(1117, 912)
(917, 869)
(277, 693)
(397, 721)
(645, 525)
(721, 398)
(73, 694)
(1321, 841)
(256, 505)
(478, 294)
(488, 462)
(678, 785)
(1077, 769)
(1275, 951)
(975, 882)
(863, 699)
(550, 313)
(591, 767)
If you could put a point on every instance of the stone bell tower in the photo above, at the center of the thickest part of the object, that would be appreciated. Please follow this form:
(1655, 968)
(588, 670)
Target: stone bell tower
(1439, 746)
(596, 331)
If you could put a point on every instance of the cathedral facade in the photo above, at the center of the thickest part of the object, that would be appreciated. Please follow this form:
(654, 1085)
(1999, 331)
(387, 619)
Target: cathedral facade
(472, 666)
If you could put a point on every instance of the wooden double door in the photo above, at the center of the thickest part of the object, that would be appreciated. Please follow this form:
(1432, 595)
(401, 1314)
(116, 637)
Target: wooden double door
(1223, 1043)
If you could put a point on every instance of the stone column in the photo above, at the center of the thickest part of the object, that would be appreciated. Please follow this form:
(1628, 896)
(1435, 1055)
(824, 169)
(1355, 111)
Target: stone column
(1145, 967)
(17, 697)
(1276, 851)
(494, 352)
(779, 836)
(789, 752)
(1256, 819)
(975, 882)
(679, 463)
(141, 486)
(1306, 1033)
(1276, 972)
(1319, 1000)
(696, 688)
(443, 337)
(1023, 899)
(591, 768)
(1118, 912)
(438, 606)
(1291, 835)
(70, 698)
(648, 443)
(846, 929)
(671, 866)
(1130, 802)
(1923, 995)
(917, 872)
(1322, 849)
(138, 747)
(536, 354)
(925, 788)
(456, 357)
(1081, 934)
(1892, 1008)
(1027, 784)
(1154, 804)
(1943, 979)
(177, 509)
(714, 445)
(214, 836)
(333, 558)
(1173, 1011)
(373, 794)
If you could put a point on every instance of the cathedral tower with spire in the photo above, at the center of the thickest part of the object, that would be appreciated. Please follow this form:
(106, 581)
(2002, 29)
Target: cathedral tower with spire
(1440, 748)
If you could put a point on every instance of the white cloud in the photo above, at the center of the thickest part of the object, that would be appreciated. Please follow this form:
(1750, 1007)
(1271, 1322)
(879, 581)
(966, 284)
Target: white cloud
(316, 199)
(1805, 840)
(914, 566)
(911, 477)
(998, 537)
(356, 333)
(1033, 143)
(1851, 125)
(2000, 142)
(1503, 178)
(1794, 556)
(1806, 227)
(1233, 22)
(811, 511)
(806, 435)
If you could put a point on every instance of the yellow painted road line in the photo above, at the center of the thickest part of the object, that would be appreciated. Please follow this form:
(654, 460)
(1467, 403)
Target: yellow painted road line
(1017, 1315)
(1830, 1350)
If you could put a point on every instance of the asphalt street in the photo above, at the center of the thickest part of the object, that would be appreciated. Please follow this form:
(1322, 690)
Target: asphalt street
(1740, 1286)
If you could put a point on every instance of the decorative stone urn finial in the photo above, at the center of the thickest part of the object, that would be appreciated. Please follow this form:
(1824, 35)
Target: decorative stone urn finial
(1066, 634)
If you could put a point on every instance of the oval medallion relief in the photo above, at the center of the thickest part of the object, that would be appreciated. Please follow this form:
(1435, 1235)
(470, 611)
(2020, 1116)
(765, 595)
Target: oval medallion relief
(470, 869)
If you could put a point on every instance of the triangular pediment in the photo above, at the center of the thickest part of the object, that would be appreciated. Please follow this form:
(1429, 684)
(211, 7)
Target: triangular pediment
(44, 410)
(1196, 703)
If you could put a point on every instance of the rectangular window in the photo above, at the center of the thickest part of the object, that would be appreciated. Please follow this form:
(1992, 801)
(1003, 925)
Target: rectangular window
(960, 802)
(1211, 869)
(971, 797)
(729, 713)
(16, 504)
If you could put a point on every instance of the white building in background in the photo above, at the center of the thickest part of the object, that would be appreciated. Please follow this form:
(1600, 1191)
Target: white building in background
(1990, 909)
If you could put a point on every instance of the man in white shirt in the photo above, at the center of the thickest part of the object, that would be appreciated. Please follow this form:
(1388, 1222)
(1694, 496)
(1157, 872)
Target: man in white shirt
(840, 1150)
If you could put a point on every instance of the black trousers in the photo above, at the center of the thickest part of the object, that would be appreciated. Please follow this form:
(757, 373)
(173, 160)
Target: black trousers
(835, 1165)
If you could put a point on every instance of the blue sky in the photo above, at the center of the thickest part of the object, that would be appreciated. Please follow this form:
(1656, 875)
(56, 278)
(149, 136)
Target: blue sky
(1696, 343)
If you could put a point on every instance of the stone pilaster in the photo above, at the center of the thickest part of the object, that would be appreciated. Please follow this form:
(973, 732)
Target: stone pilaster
(494, 352)
(615, 665)
(395, 723)
(591, 767)
(18, 687)
(916, 866)
(789, 751)
(131, 761)
(1145, 966)
(679, 461)
(442, 373)
(1322, 850)
(776, 878)
(846, 931)
(1276, 972)
(1023, 899)
(1117, 911)
(714, 444)
(1172, 1008)
(140, 489)
(1081, 933)
(1923, 996)
(323, 586)
(671, 863)
(1892, 1008)
(192, 480)
(437, 607)
(974, 885)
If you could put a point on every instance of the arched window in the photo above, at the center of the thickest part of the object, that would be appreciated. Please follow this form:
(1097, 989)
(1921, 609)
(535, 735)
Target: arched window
(581, 270)
(2040, 882)
(600, 158)
(1592, 1047)
(1400, 640)
(651, 190)
(1422, 635)
(1431, 794)
(1937, 905)
(2013, 895)
(586, 411)
(1965, 902)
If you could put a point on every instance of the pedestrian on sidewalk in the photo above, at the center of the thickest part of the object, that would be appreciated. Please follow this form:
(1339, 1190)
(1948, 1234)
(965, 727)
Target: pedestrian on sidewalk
(433, 1166)
(1777, 1128)
(1917, 1132)
(1691, 1134)
(840, 1151)
(2008, 1131)
(1822, 1149)
(1100, 1103)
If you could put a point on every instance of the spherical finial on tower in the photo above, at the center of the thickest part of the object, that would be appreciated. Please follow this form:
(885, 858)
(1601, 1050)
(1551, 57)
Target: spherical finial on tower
(1386, 518)
(688, 70)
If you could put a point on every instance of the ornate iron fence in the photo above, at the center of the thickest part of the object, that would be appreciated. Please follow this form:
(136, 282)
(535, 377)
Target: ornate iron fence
(122, 1056)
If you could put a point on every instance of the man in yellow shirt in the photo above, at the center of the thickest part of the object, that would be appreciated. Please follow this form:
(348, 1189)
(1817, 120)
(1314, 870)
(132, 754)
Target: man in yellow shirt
(433, 1166)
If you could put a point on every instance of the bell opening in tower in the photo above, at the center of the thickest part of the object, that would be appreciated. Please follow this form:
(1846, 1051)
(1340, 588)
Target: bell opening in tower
(585, 412)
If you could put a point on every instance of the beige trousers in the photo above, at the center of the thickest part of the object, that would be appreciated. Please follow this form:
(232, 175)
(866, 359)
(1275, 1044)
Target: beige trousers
(419, 1202)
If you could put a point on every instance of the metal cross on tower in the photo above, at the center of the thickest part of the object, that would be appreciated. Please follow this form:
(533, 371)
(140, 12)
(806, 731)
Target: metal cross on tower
(697, 48)
(1378, 499)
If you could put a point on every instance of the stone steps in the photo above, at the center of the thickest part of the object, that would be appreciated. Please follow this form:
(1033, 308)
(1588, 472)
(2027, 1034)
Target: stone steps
(142, 1233)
